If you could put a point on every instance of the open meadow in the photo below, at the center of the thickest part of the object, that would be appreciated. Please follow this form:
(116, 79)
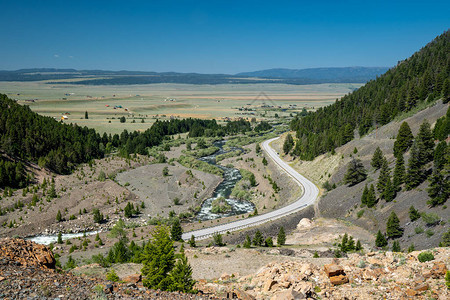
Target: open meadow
(141, 105)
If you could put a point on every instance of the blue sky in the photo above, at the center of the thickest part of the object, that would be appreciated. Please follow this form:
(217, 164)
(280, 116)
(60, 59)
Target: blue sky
(214, 36)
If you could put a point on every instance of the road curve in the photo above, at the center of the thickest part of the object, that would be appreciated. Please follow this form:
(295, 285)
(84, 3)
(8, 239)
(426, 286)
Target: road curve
(308, 197)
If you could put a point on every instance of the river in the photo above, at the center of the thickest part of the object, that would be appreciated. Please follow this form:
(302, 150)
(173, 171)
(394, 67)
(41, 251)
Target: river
(230, 177)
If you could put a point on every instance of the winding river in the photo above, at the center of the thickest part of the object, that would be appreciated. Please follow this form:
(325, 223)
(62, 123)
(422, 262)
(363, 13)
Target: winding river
(230, 177)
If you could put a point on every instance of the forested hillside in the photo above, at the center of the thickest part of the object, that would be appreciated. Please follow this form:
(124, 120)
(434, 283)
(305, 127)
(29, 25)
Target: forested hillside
(425, 76)
(26, 136)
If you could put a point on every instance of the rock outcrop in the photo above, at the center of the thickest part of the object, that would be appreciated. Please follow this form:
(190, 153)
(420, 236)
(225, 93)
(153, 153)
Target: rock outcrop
(27, 253)
(374, 275)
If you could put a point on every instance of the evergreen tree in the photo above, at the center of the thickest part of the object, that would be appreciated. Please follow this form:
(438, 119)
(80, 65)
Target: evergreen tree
(439, 155)
(413, 214)
(425, 143)
(438, 188)
(355, 173)
(288, 143)
(350, 244)
(258, 239)
(414, 174)
(393, 229)
(247, 243)
(358, 246)
(264, 161)
(364, 195)
(86, 116)
(371, 197)
(344, 242)
(383, 178)
(281, 237)
(380, 241)
(60, 240)
(59, 216)
(404, 139)
(158, 259)
(181, 276)
(399, 173)
(98, 217)
(268, 242)
(396, 246)
(176, 231)
(377, 159)
(389, 192)
(192, 242)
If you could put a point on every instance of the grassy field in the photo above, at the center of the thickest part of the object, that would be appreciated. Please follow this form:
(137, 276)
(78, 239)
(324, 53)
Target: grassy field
(163, 101)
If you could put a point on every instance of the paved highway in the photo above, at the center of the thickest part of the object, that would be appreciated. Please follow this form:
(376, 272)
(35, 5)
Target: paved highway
(309, 196)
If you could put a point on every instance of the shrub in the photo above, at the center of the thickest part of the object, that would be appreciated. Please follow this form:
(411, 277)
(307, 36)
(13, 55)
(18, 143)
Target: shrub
(425, 256)
(112, 276)
(431, 219)
(418, 230)
(217, 237)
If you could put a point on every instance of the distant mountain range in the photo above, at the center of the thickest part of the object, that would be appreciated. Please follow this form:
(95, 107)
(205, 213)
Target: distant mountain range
(286, 76)
(351, 74)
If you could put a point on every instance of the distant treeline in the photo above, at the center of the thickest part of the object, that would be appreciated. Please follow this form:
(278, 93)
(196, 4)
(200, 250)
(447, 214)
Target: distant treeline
(422, 77)
(27, 136)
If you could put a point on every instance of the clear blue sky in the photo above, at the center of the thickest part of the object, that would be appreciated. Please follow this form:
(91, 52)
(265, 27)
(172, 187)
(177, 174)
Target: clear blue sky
(214, 36)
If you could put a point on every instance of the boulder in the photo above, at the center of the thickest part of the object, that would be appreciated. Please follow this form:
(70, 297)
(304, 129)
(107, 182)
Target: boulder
(338, 280)
(240, 294)
(333, 270)
(289, 294)
(133, 278)
(269, 285)
(439, 270)
(304, 223)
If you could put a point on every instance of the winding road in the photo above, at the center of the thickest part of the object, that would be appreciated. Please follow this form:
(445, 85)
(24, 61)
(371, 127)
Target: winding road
(308, 197)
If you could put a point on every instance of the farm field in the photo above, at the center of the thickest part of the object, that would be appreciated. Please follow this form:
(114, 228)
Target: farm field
(163, 101)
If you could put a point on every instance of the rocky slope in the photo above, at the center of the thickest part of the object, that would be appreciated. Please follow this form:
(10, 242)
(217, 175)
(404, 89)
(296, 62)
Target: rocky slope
(376, 275)
(27, 271)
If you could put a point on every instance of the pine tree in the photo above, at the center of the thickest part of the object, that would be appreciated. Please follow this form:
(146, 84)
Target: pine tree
(264, 161)
(404, 139)
(389, 192)
(425, 143)
(371, 197)
(86, 116)
(355, 173)
(399, 172)
(439, 155)
(158, 259)
(181, 276)
(358, 246)
(438, 188)
(60, 240)
(413, 214)
(377, 159)
(288, 143)
(247, 243)
(192, 242)
(58, 216)
(258, 239)
(396, 246)
(281, 237)
(176, 231)
(393, 229)
(383, 178)
(350, 244)
(414, 174)
(380, 241)
(364, 195)
(344, 242)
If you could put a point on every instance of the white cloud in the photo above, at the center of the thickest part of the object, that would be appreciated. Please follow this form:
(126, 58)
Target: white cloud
(70, 56)
(56, 55)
